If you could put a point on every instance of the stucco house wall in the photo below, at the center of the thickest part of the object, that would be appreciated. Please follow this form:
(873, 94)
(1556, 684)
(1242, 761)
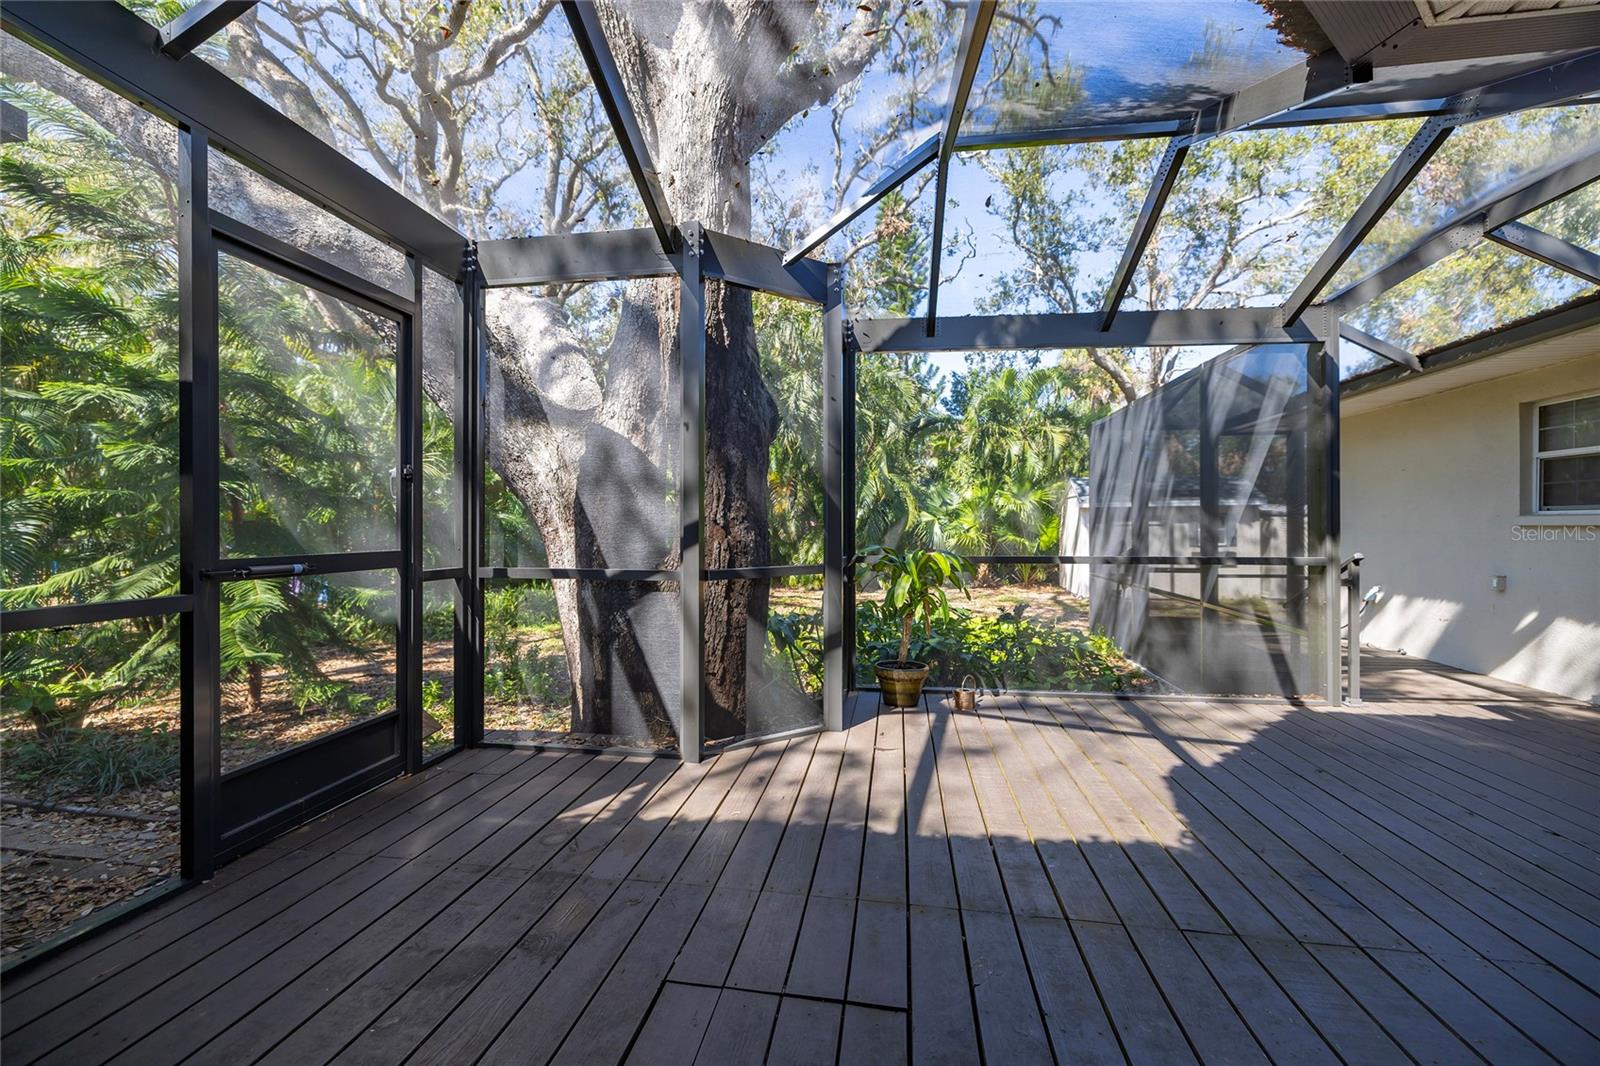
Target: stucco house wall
(1433, 495)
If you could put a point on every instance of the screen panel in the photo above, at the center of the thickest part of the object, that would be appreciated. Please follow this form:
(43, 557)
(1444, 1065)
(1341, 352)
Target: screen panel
(1221, 464)
(1089, 63)
(582, 663)
(1243, 630)
(258, 202)
(581, 427)
(1251, 211)
(304, 657)
(308, 418)
(89, 334)
(881, 85)
(1039, 229)
(442, 364)
(763, 656)
(763, 451)
(1477, 289)
(1575, 218)
(974, 459)
(526, 148)
(89, 720)
(1477, 164)
(438, 667)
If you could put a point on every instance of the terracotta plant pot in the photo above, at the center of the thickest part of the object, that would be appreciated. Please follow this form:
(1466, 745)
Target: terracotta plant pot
(901, 682)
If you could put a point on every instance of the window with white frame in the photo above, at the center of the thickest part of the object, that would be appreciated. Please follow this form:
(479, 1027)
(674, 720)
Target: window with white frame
(1566, 455)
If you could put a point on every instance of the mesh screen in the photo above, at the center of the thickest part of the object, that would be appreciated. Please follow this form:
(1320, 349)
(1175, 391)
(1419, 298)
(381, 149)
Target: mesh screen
(1217, 463)
(318, 654)
(438, 666)
(442, 364)
(588, 663)
(65, 860)
(1095, 62)
(581, 427)
(1237, 630)
(763, 505)
(89, 432)
(763, 656)
(499, 130)
(307, 421)
(261, 203)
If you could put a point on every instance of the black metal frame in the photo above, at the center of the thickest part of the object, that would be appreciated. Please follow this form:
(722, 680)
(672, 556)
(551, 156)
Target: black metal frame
(974, 34)
(192, 28)
(591, 42)
(154, 68)
(222, 814)
(255, 802)
(691, 505)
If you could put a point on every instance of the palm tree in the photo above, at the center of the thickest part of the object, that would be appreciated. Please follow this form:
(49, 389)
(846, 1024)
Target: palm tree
(1020, 433)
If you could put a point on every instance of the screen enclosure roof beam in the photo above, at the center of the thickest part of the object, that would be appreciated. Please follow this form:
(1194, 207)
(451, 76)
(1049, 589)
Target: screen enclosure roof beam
(1131, 329)
(1548, 248)
(1468, 226)
(1144, 227)
(1547, 85)
(1583, 313)
(1378, 346)
(199, 24)
(757, 266)
(607, 78)
(974, 32)
(574, 257)
(612, 255)
(890, 180)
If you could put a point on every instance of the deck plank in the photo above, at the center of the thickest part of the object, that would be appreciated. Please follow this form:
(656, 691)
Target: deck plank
(740, 1029)
(676, 1026)
(1044, 879)
(806, 1033)
(943, 1029)
(874, 1036)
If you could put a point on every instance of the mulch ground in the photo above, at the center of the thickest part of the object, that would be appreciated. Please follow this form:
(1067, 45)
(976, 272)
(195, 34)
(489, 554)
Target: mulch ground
(58, 868)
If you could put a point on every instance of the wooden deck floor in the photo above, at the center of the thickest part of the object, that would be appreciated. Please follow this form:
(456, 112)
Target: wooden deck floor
(1077, 880)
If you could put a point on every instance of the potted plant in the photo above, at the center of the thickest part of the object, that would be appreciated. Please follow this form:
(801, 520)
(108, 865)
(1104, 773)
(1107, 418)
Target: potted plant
(913, 583)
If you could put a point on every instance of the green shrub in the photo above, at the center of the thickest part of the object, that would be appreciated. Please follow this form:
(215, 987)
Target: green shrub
(93, 762)
(794, 647)
(1009, 651)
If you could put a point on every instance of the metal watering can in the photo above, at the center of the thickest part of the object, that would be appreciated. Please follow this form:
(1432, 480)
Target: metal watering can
(967, 694)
